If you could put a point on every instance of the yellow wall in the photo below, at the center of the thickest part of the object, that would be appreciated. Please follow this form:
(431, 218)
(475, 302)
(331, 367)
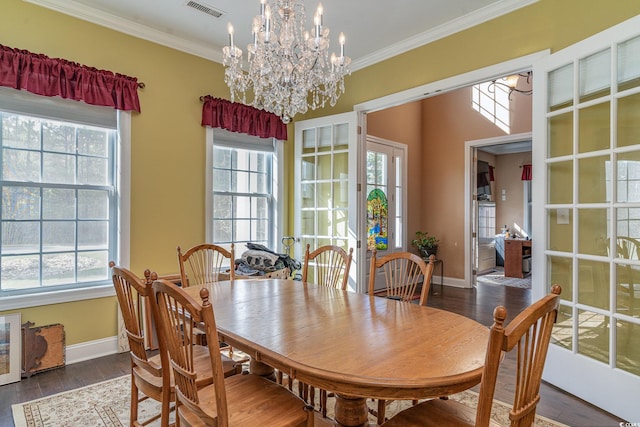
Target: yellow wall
(168, 142)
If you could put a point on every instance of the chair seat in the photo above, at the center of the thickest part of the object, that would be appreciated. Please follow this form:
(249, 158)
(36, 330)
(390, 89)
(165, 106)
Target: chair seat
(436, 412)
(251, 401)
(203, 365)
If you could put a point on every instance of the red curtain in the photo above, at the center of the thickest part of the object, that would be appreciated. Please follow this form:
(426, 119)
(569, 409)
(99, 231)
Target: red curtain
(491, 176)
(235, 117)
(526, 172)
(39, 74)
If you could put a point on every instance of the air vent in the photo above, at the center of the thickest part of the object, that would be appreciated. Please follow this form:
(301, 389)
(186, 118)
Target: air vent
(205, 9)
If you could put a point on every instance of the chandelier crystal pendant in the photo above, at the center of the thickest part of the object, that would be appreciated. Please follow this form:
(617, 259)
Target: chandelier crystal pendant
(289, 68)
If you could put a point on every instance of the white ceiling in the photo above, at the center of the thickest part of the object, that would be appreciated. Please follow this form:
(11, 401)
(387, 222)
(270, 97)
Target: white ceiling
(374, 29)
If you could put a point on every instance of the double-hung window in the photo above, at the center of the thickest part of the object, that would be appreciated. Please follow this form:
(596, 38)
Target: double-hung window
(242, 189)
(60, 205)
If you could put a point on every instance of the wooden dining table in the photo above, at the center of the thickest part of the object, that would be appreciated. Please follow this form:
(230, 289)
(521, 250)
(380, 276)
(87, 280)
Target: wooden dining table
(355, 345)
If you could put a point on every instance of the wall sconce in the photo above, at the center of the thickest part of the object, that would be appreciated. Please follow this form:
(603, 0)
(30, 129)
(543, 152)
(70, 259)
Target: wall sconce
(510, 82)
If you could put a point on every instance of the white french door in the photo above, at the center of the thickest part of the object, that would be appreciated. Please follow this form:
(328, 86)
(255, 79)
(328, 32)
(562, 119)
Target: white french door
(385, 199)
(325, 189)
(587, 153)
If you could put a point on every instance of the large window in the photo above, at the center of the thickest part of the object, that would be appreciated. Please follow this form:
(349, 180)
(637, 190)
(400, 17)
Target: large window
(60, 199)
(243, 190)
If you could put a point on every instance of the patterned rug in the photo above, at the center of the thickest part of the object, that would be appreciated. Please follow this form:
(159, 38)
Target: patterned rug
(107, 404)
(497, 278)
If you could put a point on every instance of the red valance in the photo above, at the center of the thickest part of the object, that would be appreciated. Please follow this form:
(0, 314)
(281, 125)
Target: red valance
(491, 176)
(526, 172)
(235, 117)
(39, 74)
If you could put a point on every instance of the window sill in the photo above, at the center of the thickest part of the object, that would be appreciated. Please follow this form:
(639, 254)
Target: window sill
(55, 297)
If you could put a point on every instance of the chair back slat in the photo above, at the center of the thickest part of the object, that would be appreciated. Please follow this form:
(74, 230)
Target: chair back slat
(402, 272)
(206, 263)
(179, 316)
(329, 266)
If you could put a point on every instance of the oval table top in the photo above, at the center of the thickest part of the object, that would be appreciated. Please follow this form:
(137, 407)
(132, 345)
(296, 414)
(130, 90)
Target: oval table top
(349, 343)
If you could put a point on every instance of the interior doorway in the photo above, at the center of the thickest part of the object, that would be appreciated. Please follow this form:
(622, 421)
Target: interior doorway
(500, 203)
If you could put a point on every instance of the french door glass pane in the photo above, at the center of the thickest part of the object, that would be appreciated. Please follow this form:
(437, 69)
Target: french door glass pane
(560, 135)
(593, 335)
(342, 136)
(595, 75)
(309, 141)
(628, 290)
(324, 167)
(324, 139)
(594, 180)
(560, 229)
(626, 346)
(628, 182)
(562, 334)
(629, 64)
(560, 188)
(594, 127)
(560, 87)
(628, 124)
(593, 222)
(628, 224)
(561, 273)
(593, 283)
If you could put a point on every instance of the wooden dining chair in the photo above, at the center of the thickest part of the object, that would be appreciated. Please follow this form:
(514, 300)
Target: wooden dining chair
(330, 267)
(206, 263)
(403, 272)
(529, 333)
(150, 376)
(247, 400)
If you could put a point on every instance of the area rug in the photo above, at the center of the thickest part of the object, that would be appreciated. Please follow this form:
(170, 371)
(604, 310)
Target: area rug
(107, 404)
(497, 278)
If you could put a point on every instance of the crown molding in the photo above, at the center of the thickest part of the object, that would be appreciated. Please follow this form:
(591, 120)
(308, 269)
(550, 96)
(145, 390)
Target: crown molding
(469, 20)
(193, 47)
(126, 26)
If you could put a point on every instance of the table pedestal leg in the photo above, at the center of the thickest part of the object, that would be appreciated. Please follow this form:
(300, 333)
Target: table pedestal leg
(259, 368)
(351, 411)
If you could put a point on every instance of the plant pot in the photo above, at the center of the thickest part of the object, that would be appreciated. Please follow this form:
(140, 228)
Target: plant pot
(427, 252)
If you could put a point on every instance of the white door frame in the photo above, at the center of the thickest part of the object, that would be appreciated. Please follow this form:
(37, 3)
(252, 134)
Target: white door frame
(428, 90)
(468, 193)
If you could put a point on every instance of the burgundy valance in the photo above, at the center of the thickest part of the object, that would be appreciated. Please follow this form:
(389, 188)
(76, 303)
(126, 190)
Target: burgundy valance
(235, 117)
(39, 74)
(491, 176)
(526, 172)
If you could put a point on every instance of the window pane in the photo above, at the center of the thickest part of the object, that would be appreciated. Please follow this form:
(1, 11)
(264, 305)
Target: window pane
(561, 135)
(58, 203)
(20, 203)
(59, 137)
(562, 334)
(221, 180)
(593, 283)
(626, 346)
(560, 88)
(20, 272)
(222, 231)
(20, 237)
(560, 229)
(93, 204)
(593, 331)
(593, 222)
(58, 269)
(93, 234)
(58, 236)
(594, 180)
(93, 171)
(595, 75)
(59, 168)
(560, 182)
(93, 266)
(20, 132)
(628, 123)
(93, 142)
(19, 165)
(561, 273)
(223, 207)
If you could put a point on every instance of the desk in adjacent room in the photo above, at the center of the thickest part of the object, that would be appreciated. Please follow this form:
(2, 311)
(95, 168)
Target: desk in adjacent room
(515, 250)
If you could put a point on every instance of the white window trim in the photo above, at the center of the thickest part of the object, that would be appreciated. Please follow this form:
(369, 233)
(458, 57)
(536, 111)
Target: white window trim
(124, 235)
(278, 213)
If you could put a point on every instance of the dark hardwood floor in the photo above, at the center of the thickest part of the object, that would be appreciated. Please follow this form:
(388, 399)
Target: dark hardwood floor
(475, 303)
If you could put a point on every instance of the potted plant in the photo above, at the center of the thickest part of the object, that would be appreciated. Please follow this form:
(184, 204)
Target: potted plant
(427, 245)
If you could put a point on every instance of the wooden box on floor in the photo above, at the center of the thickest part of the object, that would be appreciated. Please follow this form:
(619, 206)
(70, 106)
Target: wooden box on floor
(43, 348)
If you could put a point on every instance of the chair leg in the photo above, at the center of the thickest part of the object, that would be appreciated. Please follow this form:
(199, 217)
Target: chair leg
(323, 403)
(133, 413)
(166, 408)
(382, 407)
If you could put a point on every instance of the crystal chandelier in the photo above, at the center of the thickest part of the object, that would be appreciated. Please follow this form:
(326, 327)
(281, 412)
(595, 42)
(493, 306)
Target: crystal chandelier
(289, 68)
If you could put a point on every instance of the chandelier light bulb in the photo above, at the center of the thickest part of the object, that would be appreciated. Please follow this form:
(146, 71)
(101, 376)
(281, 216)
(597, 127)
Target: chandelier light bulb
(289, 68)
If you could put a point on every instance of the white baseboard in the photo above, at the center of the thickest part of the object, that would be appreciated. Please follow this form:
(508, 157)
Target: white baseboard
(91, 350)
